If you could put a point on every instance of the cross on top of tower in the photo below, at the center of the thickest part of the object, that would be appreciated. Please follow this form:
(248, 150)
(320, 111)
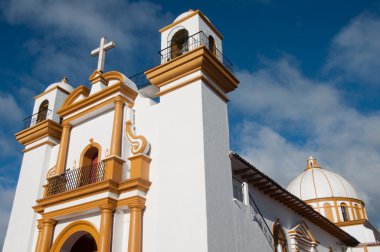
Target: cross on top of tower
(101, 51)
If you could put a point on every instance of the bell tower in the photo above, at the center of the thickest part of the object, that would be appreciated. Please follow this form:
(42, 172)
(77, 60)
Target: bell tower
(195, 184)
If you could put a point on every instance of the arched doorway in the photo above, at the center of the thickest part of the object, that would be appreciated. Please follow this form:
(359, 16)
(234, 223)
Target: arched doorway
(80, 236)
(80, 242)
(42, 111)
(179, 43)
(89, 165)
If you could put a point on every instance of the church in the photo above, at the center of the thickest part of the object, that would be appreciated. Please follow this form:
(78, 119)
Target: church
(124, 165)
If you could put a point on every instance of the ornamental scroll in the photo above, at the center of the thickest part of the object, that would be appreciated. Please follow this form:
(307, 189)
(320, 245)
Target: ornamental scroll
(139, 143)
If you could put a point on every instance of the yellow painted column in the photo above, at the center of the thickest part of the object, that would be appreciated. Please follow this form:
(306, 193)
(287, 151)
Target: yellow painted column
(117, 127)
(47, 235)
(105, 227)
(136, 207)
(39, 237)
(62, 154)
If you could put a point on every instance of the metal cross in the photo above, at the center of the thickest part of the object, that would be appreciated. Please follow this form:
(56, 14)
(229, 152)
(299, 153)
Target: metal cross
(101, 51)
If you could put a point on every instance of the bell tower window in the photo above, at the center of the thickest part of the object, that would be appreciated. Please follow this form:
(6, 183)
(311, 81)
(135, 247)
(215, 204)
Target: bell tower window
(343, 208)
(179, 43)
(42, 111)
(211, 45)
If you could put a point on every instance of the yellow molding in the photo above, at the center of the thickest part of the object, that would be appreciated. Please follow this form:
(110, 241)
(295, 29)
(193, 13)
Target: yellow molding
(198, 59)
(113, 89)
(350, 223)
(134, 184)
(49, 90)
(336, 199)
(92, 189)
(81, 90)
(204, 18)
(81, 192)
(47, 128)
(97, 76)
(180, 76)
(117, 126)
(138, 142)
(39, 145)
(71, 229)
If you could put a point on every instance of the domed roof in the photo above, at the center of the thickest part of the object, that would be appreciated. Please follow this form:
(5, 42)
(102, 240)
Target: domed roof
(62, 84)
(184, 15)
(316, 182)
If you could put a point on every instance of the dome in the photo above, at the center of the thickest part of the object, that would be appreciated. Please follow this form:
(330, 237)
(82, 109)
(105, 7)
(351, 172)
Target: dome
(62, 84)
(316, 182)
(184, 15)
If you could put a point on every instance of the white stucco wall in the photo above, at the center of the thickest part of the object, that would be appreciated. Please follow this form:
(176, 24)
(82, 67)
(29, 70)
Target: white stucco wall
(23, 220)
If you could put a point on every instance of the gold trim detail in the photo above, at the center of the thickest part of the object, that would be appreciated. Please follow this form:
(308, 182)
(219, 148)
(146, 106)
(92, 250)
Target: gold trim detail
(63, 147)
(204, 18)
(71, 229)
(115, 88)
(47, 128)
(200, 58)
(350, 223)
(97, 76)
(117, 126)
(139, 143)
(81, 90)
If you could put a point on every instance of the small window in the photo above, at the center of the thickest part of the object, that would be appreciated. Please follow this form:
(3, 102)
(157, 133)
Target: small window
(343, 208)
(237, 189)
(211, 45)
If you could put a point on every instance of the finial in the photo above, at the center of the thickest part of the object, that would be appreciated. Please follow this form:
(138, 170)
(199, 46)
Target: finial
(312, 163)
(65, 79)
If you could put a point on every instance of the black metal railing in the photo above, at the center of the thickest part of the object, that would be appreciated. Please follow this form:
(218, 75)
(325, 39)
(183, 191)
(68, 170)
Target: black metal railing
(74, 178)
(255, 212)
(140, 80)
(192, 42)
(36, 118)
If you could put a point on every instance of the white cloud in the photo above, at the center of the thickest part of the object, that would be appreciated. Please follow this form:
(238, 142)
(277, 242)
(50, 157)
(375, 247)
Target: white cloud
(67, 30)
(289, 116)
(355, 50)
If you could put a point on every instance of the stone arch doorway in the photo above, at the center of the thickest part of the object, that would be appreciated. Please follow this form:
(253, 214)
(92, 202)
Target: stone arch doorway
(80, 236)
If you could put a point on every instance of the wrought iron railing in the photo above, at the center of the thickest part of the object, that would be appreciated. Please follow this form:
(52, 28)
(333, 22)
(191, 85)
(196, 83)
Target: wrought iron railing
(256, 214)
(194, 41)
(140, 80)
(74, 178)
(36, 118)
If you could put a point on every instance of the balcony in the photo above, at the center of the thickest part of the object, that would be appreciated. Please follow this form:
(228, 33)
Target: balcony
(75, 178)
(32, 120)
(192, 42)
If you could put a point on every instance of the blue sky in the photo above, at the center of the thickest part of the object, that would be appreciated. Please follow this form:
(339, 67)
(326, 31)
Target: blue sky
(309, 73)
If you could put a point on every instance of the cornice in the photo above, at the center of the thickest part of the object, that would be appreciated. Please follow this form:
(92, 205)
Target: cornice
(47, 128)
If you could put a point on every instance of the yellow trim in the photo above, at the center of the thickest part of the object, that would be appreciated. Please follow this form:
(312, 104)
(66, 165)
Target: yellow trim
(63, 147)
(113, 89)
(47, 128)
(49, 90)
(204, 18)
(81, 90)
(117, 126)
(350, 223)
(71, 229)
(140, 166)
(39, 145)
(138, 142)
(97, 76)
(106, 220)
(46, 234)
(198, 59)
(136, 205)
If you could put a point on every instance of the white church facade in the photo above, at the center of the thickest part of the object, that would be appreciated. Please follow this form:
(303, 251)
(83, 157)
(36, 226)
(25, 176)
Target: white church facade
(115, 166)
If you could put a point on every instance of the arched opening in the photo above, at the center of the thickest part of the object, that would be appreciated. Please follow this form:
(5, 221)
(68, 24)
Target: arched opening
(343, 209)
(42, 111)
(211, 45)
(328, 211)
(78, 236)
(279, 237)
(179, 43)
(89, 165)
